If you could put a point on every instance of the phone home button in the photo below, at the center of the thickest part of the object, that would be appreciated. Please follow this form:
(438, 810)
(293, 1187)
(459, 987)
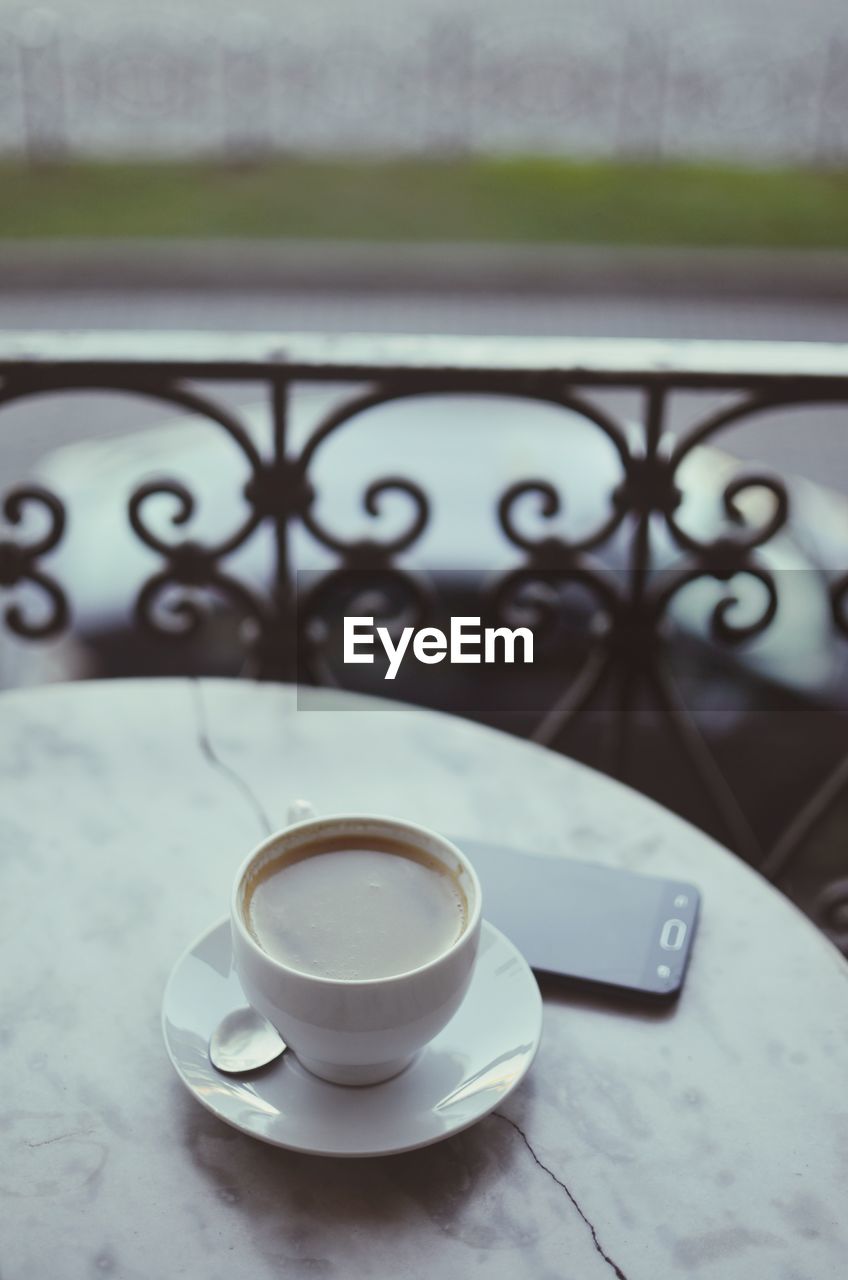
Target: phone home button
(673, 933)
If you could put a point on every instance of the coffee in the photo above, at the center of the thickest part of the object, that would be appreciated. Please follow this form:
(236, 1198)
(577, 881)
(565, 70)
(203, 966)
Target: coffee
(351, 908)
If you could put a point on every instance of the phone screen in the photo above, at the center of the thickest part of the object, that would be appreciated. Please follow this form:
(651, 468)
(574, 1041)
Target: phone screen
(590, 923)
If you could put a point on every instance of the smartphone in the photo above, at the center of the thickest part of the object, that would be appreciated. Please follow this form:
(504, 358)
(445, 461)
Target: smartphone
(594, 925)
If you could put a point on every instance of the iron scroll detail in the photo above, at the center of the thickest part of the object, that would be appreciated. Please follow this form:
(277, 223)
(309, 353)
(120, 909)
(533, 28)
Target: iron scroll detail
(19, 563)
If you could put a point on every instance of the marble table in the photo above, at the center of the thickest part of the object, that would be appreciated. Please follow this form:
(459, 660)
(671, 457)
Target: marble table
(709, 1140)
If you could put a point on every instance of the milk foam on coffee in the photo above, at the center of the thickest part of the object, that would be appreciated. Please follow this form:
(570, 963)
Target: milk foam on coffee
(340, 907)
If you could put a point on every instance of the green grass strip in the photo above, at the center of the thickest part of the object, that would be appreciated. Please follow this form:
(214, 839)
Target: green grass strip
(513, 200)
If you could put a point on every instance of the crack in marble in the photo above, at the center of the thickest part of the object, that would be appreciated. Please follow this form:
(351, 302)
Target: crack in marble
(62, 1137)
(617, 1271)
(226, 771)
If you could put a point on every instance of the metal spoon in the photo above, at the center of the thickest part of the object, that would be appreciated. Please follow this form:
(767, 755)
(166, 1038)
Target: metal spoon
(244, 1041)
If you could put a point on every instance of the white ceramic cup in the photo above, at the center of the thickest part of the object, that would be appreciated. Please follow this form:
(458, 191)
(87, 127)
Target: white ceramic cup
(357, 1031)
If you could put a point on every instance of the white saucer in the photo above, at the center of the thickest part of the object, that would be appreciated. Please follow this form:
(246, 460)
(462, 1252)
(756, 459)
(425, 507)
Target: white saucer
(473, 1064)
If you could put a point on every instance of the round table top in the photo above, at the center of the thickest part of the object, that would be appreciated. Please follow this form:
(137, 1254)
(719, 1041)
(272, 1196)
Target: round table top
(710, 1139)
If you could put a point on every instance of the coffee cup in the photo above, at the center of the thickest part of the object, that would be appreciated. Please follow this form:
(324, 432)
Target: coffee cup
(356, 936)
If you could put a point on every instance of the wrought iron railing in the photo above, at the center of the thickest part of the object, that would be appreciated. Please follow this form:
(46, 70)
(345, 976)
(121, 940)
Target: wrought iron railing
(626, 657)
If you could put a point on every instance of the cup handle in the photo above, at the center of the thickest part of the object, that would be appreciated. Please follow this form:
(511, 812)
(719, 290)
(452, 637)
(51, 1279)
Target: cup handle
(299, 811)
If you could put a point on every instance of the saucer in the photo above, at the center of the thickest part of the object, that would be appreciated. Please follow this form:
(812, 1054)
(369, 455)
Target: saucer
(458, 1078)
